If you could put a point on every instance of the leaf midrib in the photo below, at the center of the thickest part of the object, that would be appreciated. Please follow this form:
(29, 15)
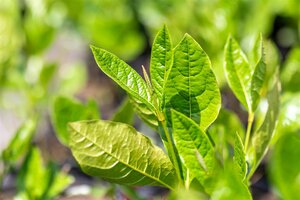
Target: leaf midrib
(121, 161)
(134, 93)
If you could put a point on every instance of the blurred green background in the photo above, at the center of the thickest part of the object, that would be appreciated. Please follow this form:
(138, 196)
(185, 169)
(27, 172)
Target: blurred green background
(44, 54)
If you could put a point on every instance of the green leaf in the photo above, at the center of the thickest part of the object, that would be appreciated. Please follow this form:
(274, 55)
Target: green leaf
(256, 52)
(161, 58)
(230, 186)
(262, 137)
(258, 78)
(128, 79)
(58, 181)
(46, 75)
(239, 158)
(68, 110)
(191, 87)
(20, 143)
(194, 147)
(183, 193)
(31, 171)
(238, 72)
(284, 166)
(144, 112)
(118, 153)
(124, 113)
(291, 71)
(223, 132)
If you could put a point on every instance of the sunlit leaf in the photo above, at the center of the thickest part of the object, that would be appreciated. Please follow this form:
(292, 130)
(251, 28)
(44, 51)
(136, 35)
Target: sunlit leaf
(160, 63)
(238, 72)
(31, 171)
(191, 87)
(118, 153)
(194, 147)
(262, 137)
(239, 158)
(258, 78)
(257, 83)
(129, 80)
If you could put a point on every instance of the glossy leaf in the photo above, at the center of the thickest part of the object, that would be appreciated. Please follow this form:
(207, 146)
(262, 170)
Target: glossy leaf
(118, 153)
(191, 87)
(284, 166)
(238, 72)
(161, 57)
(262, 137)
(144, 112)
(255, 53)
(122, 74)
(20, 143)
(258, 78)
(68, 110)
(239, 158)
(194, 147)
(128, 79)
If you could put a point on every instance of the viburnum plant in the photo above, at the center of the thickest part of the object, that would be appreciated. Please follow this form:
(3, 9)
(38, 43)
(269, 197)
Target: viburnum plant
(181, 100)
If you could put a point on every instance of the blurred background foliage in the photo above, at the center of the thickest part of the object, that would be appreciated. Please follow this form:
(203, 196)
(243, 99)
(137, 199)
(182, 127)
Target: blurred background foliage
(44, 55)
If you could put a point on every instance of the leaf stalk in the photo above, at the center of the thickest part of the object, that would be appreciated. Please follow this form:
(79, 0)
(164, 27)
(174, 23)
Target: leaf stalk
(249, 127)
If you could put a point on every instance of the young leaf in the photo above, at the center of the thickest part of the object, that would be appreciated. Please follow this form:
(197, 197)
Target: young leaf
(161, 56)
(257, 83)
(262, 137)
(67, 110)
(284, 167)
(20, 143)
(194, 147)
(130, 81)
(238, 72)
(258, 77)
(144, 112)
(256, 52)
(239, 158)
(120, 154)
(191, 87)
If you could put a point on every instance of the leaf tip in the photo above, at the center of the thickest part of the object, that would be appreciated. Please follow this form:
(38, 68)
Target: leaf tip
(94, 48)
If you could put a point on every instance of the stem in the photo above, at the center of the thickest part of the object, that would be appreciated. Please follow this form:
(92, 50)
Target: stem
(249, 127)
(171, 151)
